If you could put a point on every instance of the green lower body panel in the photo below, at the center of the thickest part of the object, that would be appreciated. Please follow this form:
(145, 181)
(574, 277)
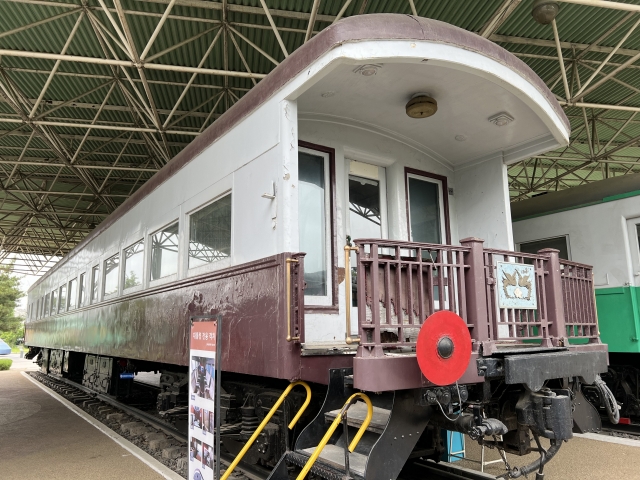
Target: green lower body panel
(619, 318)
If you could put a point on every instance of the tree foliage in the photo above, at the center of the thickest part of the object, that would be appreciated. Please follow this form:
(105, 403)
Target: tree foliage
(10, 293)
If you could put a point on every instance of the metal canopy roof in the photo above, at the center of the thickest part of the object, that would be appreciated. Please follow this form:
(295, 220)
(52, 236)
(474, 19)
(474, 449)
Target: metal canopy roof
(97, 95)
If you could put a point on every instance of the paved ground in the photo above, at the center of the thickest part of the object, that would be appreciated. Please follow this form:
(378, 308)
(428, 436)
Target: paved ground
(580, 458)
(20, 363)
(41, 438)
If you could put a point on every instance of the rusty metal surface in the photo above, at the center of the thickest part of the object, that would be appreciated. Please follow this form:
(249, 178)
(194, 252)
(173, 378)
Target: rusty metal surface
(153, 325)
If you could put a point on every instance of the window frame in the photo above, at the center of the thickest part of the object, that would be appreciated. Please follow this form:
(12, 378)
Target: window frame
(69, 308)
(123, 263)
(82, 277)
(555, 237)
(53, 310)
(315, 301)
(332, 252)
(102, 293)
(94, 299)
(441, 180)
(215, 265)
(168, 278)
(63, 308)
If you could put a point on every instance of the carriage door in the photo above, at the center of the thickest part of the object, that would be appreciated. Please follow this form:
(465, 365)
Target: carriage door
(426, 218)
(367, 215)
(633, 231)
(425, 209)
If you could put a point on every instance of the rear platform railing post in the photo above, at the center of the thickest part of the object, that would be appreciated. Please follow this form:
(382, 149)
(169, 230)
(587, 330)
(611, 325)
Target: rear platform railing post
(475, 289)
(555, 305)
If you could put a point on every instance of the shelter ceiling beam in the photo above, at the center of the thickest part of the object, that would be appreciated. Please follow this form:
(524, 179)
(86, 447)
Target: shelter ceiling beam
(273, 27)
(96, 126)
(127, 63)
(499, 17)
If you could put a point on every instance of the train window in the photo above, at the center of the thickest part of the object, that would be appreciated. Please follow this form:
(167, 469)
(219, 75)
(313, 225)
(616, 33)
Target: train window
(82, 287)
(313, 205)
(133, 258)
(164, 252)
(111, 273)
(94, 283)
(210, 233)
(559, 243)
(62, 296)
(54, 302)
(426, 222)
(73, 293)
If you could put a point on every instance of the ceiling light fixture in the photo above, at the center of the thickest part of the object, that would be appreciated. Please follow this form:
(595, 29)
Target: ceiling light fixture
(368, 70)
(421, 105)
(501, 119)
(545, 11)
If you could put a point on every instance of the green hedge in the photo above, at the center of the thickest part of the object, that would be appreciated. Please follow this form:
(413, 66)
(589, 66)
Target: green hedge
(5, 363)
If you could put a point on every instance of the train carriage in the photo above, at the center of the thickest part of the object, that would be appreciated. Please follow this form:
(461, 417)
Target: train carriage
(333, 217)
(598, 224)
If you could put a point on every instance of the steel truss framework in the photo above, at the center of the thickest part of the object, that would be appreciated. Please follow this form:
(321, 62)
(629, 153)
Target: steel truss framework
(97, 95)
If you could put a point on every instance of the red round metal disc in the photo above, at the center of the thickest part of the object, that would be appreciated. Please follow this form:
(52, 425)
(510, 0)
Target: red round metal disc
(443, 329)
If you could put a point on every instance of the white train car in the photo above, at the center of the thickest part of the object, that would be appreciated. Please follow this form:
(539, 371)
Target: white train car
(598, 224)
(388, 130)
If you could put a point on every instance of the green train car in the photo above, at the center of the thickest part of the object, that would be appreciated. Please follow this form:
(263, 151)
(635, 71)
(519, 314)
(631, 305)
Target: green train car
(597, 224)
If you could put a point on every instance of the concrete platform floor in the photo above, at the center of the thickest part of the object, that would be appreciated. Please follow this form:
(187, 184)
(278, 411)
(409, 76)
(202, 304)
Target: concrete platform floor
(42, 438)
(590, 457)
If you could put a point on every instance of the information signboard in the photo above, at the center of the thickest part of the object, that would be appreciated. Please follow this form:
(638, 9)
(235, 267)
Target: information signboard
(204, 398)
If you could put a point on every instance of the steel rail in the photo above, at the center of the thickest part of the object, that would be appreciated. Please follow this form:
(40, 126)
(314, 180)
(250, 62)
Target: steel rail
(252, 472)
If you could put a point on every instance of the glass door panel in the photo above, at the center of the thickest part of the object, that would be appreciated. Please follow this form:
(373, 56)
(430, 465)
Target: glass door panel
(424, 211)
(426, 220)
(366, 220)
(313, 207)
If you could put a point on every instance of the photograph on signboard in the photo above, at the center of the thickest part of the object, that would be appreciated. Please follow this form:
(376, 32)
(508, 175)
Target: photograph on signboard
(203, 375)
(196, 416)
(195, 450)
(207, 456)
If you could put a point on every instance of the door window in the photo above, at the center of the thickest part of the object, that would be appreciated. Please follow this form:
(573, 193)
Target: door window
(365, 218)
(426, 215)
(313, 220)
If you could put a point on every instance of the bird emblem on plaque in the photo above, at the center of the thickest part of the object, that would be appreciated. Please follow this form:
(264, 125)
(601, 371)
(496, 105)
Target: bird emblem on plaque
(516, 286)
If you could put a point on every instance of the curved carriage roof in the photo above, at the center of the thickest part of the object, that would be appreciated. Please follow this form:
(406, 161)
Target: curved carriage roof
(603, 191)
(352, 29)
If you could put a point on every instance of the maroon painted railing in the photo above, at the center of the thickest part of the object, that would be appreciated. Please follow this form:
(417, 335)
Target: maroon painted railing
(513, 324)
(401, 283)
(581, 319)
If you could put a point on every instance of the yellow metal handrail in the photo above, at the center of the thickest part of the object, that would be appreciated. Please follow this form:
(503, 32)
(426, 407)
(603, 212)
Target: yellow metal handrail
(347, 294)
(267, 417)
(354, 443)
(289, 337)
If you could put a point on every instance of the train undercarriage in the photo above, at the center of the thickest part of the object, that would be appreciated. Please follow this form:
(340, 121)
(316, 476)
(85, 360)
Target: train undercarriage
(406, 424)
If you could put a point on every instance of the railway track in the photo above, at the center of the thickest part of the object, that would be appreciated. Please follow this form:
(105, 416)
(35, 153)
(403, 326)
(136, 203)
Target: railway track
(168, 444)
(621, 430)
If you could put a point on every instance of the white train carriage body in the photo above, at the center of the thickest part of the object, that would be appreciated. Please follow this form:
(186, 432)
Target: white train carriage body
(336, 148)
(238, 194)
(598, 224)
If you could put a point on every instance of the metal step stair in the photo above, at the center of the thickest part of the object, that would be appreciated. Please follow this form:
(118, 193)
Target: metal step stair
(333, 455)
(394, 430)
(357, 414)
